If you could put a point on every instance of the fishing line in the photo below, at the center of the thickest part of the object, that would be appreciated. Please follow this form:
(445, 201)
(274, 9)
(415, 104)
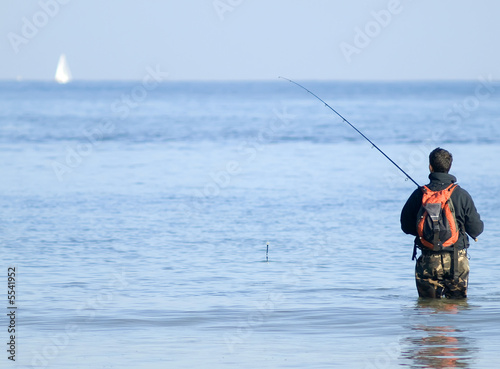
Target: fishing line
(352, 126)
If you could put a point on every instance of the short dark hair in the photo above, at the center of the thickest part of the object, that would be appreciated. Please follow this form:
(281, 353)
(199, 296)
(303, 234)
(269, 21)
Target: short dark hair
(440, 160)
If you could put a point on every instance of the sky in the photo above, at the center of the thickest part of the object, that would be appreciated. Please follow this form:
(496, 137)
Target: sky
(251, 39)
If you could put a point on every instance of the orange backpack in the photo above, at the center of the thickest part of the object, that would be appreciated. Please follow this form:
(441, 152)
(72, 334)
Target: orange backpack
(436, 223)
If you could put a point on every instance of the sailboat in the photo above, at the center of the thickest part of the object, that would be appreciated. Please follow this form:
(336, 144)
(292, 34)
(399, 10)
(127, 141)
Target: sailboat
(63, 74)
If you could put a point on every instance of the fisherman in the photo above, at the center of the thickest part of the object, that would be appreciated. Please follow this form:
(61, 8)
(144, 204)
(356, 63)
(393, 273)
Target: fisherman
(437, 273)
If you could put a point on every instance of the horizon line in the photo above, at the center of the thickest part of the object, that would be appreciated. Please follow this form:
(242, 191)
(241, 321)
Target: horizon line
(247, 80)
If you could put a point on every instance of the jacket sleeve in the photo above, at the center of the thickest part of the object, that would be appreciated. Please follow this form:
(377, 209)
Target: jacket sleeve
(474, 226)
(410, 211)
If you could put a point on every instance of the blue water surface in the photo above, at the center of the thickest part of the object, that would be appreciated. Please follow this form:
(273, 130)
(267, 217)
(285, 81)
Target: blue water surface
(137, 221)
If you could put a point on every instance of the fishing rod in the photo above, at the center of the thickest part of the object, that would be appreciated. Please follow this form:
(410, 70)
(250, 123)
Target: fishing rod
(357, 130)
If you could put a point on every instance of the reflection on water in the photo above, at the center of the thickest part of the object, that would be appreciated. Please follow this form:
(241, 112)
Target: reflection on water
(438, 340)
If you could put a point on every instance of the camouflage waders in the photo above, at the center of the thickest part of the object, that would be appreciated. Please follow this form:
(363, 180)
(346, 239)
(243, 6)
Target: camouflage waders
(434, 275)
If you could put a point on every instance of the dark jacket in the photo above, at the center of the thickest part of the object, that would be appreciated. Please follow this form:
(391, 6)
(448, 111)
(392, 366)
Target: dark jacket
(467, 216)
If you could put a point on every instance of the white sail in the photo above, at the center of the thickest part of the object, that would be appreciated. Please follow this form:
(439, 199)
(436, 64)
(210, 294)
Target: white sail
(63, 74)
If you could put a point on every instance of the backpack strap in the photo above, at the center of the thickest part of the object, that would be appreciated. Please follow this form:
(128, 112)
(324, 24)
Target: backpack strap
(455, 263)
(455, 248)
(435, 241)
(414, 250)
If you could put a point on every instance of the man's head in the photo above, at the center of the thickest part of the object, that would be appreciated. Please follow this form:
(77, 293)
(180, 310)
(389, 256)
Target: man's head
(440, 160)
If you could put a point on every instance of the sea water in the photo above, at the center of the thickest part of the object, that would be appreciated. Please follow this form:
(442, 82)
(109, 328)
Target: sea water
(137, 221)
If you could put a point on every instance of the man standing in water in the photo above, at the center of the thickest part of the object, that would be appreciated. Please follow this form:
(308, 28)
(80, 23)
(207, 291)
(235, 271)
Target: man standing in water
(435, 272)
